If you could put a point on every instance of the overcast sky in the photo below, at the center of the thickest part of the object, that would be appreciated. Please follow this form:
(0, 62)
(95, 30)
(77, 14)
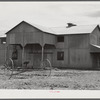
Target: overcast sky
(50, 14)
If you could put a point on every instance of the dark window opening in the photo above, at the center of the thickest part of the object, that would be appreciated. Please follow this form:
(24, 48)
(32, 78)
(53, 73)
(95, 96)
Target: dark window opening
(60, 55)
(60, 39)
(3, 40)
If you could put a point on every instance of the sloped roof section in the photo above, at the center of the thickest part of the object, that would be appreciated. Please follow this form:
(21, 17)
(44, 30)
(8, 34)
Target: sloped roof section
(43, 28)
(63, 30)
(74, 29)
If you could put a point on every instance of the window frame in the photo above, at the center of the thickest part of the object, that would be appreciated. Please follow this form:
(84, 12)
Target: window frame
(60, 38)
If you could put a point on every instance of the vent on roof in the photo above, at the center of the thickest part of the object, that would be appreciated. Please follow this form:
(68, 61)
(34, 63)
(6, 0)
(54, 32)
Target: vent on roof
(70, 25)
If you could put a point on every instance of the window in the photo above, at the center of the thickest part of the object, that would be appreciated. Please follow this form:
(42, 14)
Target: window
(3, 40)
(60, 39)
(60, 55)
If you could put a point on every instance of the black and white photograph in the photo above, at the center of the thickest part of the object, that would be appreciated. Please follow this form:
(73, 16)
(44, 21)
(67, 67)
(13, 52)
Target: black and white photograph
(50, 45)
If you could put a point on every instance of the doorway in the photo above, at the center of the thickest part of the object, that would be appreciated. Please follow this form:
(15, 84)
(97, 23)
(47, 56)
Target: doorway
(96, 60)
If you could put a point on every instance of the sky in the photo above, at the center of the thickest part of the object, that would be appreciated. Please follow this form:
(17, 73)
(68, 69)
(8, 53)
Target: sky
(49, 14)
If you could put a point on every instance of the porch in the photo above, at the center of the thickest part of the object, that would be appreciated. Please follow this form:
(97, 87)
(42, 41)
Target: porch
(32, 53)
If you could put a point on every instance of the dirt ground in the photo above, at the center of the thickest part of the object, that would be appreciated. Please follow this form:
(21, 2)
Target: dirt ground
(59, 80)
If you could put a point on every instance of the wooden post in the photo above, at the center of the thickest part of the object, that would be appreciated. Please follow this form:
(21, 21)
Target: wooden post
(42, 54)
(23, 57)
(23, 49)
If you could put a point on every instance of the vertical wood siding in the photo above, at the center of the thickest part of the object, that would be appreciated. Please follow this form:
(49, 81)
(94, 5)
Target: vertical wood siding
(49, 39)
(25, 34)
(95, 37)
(80, 58)
(2, 53)
(78, 41)
(75, 46)
(76, 51)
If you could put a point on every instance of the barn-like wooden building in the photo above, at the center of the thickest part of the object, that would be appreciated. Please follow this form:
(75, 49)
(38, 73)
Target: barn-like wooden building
(65, 47)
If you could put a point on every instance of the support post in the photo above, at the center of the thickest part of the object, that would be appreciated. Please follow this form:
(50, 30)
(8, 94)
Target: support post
(23, 57)
(42, 54)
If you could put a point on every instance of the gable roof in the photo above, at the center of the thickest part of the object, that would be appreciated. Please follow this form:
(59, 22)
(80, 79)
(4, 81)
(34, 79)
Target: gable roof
(41, 28)
(82, 29)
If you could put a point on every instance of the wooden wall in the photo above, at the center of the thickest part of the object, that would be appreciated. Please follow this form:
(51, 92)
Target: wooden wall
(2, 52)
(95, 37)
(34, 55)
(76, 52)
(9, 50)
(95, 52)
(79, 51)
(26, 34)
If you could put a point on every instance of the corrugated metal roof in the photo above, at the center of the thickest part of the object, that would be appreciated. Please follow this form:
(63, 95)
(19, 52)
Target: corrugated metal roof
(63, 30)
(43, 28)
(74, 29)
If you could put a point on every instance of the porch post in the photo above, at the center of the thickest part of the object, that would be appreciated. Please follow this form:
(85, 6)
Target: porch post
(23, 57)
(42, 53)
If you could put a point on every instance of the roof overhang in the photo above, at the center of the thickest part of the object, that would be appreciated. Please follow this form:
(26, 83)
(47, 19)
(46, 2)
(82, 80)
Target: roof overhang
(94, 48)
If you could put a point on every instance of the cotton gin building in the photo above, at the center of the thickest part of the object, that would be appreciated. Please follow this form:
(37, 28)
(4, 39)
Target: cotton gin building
(72, 47)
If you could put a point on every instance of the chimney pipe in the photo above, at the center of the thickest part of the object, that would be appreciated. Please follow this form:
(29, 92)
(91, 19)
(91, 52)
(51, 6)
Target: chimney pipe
(70, 25)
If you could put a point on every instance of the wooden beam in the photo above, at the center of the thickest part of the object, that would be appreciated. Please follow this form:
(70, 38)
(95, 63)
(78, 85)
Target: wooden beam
(23, 57)
(42, 56)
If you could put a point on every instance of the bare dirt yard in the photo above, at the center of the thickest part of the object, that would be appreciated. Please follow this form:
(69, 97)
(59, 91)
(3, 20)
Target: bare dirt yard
(59, 80)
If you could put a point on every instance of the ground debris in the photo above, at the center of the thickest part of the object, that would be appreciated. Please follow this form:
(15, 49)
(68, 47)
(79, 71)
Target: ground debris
(59, 79)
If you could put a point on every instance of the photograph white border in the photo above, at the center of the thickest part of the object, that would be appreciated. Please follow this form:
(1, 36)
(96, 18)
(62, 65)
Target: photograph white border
(40, 94)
